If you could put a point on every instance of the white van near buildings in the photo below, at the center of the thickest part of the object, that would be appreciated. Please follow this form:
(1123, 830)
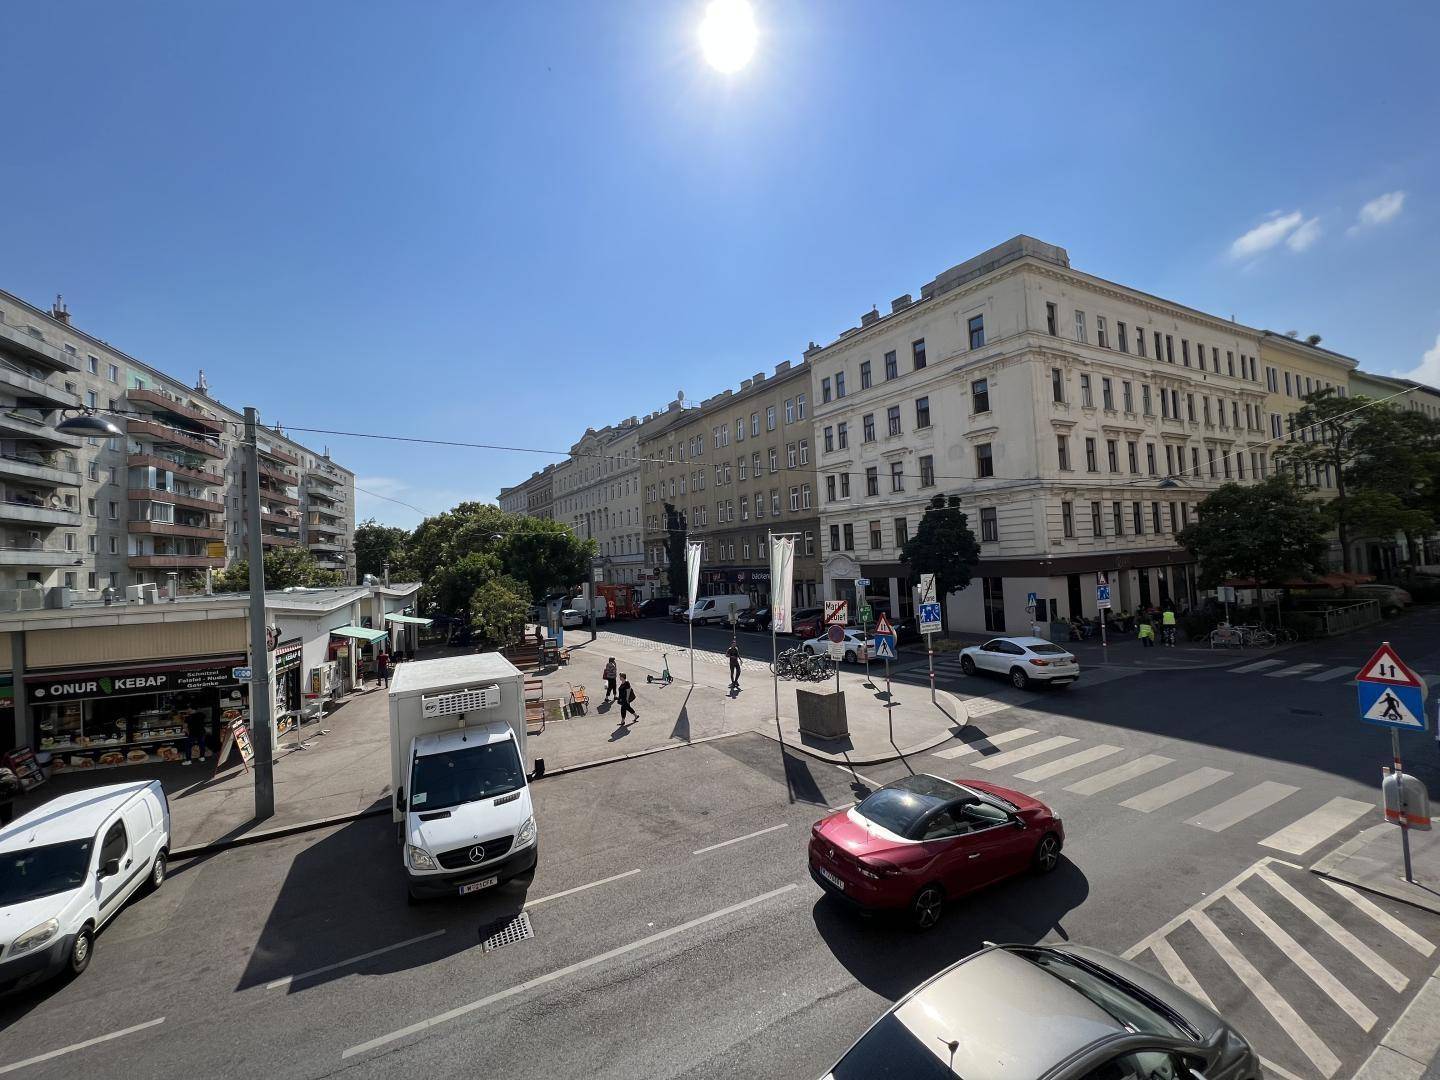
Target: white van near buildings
(67, 868)
(718, 609)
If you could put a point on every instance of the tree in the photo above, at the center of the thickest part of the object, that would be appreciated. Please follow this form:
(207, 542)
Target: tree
(452, 585)
(376, 545)
(285, 568)
(675, 553)
(1383, 513)
(943, 545)
(1266, 532)
(498, 609)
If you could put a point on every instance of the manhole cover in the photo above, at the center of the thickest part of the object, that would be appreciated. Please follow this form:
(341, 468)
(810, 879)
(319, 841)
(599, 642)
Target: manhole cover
(498, 935)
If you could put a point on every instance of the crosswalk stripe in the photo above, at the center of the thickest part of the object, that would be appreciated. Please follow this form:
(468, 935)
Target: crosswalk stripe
(1294, 951)
(1303, 1035)
(1259, 665)
(1000, 738)
(1044, 746)
(1178, 973)
(1065, 764)
(1272, 1069)
(1178, 788)
(984, 707)
(1092, 785)
(1332, 673)
(1384, 918)
(1300, 836)
(1236, 809)
(1349, 941)
(1297, 669)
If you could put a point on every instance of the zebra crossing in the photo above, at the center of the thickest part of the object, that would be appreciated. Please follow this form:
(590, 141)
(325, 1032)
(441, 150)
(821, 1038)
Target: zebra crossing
(1305, 966)
(1202, 797)
(1273, 668)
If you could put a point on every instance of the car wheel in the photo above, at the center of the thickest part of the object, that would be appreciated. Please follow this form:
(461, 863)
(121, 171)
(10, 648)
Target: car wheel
(925, 908)
(1047, 853)
(1019, 679)
(157, 871)
(967, 665)
(850, 657)
(81, 949)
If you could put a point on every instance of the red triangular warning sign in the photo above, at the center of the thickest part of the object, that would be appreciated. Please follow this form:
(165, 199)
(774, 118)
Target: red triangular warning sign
(882, 626)
(1386, 667)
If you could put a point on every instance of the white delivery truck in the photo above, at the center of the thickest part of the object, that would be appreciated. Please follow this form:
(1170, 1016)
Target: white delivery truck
(458, 771)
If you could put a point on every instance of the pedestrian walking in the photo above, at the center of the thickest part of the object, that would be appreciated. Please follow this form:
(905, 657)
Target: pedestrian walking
(539, 637)
(382, 667)
(1167, 622)
(1147, 635)
(626, 694)
(610, 678)
(734, 654)
(195, 732)
(10, 787)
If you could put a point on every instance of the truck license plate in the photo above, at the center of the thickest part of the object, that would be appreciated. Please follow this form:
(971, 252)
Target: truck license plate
(476, 886)
(832, 878)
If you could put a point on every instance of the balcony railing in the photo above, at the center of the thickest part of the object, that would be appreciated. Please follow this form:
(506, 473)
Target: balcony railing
(38, 512)
(178, 408)
(166, 528)
(34, 346)
(41, 468)
(180, 468)
(175, 562)
(279, 455)
(174, 436)
(177, 498)
(32, 385)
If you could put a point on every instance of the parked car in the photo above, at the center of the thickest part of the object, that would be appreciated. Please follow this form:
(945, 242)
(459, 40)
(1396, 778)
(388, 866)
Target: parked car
(570, 618)
(68, 867)
(1393, 599)
(1059, 1011)
(1023, 660)
(921, 841)
(677, 613)
(717, 609)
(806, 622)
(660, 605)
(857, 646)
(754, 619)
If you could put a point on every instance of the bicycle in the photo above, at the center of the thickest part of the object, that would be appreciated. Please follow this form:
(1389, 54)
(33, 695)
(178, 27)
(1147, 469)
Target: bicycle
(1284, 634)
(1259, 636)
(1226, 637)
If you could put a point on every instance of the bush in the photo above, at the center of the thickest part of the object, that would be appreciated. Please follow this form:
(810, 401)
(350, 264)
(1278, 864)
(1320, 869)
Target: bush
(1197, 625)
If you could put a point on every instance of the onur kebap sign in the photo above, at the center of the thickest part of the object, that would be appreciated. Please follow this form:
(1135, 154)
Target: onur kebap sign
(1390, 694)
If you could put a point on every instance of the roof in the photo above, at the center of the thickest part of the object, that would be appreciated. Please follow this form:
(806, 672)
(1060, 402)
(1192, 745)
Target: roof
(75, 815)
(399, 589)
(363, 633)
(449, 672)
(314, 600)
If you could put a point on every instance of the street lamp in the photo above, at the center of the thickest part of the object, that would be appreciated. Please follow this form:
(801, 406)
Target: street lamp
(87, 422)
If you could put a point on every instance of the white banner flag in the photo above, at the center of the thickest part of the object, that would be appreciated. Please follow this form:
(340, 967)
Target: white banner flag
(782, 581)
(692, 569)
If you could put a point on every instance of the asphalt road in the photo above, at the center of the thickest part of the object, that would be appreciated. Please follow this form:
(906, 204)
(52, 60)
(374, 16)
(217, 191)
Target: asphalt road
(676, 932)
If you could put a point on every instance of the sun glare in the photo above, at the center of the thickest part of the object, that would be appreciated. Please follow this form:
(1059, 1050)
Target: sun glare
(727, 34)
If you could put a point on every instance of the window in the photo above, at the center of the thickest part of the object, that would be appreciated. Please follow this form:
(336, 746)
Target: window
(980, 396)
(114, 546)
(806, 498)
(989, 527)
(90, 398)
(892, 369)
(809, 543)
(849, 537)
(1210, 459)
(875, 538)
(90, 580)
(1195, 461)
(114, 511)
(844, 485)
(800, 406)
(1090, 464)
(1086, 397)
(794, 498)
(1132, 455)
(1159, 348)
(1225, 464)
(1190, 407)
(1117, 517)
(114, 374)
(902, 533)
(897, 476)
(1112, 454)
(755, 425)
(790, 455)
(977, 331)
(1205, 407)
(825, 389)
(759, 504)
(1120, 339)
(892, 420)
(834, 537)
(1107, 394)
(867, 426)
(917, 354)
(774, 502)
(94, 365)
(839, 390)
(1101, 338)
(1145, 405)
(1067, 519)
(1127, 395)
(1062, 449)
(872, 480)
(1239, 466)
(993, 589)
(93, 470)
(922, 412)
(1050, 320)
(1097, 527)
(1137, 518)
(927, 471)
(1185, 352)
(1057, 385)
(1234, 414)
(1140, 342)
(745, 508)
(984, 463)
(842, 432)
(1169, 349)
(804, 452)
(789, 410)
(740, 430)
(865, 380)
(90, 544)
(829, 490)
(829, 439)
(774, 460)
(770, 418)
(1150, 457)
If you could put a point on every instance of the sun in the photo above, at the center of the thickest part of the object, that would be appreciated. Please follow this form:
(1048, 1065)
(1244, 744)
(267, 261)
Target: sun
(727, 34)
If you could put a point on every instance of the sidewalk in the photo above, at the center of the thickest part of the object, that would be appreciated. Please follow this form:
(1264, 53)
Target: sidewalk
(1373, 861)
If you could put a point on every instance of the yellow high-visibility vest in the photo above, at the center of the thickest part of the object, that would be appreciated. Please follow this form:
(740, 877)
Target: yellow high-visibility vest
(1168, 618)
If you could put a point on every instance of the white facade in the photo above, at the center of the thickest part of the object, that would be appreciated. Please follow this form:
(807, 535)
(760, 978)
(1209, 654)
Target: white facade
(597, 493)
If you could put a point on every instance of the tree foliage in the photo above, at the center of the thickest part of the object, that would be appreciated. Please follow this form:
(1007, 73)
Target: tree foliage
(675, 552)
(376, 545)
(498, 608)
(285, 568)
(1266, 532)
(943, 545)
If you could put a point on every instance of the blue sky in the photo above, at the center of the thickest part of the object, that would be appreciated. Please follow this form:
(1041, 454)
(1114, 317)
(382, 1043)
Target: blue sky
(503, 223)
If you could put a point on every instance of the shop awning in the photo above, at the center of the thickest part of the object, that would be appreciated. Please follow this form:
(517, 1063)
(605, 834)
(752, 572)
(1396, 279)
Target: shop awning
(408, 620)
(364, 633)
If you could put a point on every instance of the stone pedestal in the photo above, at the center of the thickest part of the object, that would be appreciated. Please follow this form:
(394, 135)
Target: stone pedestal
(822, 714)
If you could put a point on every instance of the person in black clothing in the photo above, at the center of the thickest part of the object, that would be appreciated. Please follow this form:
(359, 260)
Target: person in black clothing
(627, 699)
(734, 654)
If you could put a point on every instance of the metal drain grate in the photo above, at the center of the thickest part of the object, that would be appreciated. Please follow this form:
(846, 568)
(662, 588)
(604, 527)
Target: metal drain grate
(507, 932)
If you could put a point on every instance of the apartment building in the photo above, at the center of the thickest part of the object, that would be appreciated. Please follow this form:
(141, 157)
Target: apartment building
(512, 499)
(738, 465)
(597, 493)
(1080, 422)
(166, 496)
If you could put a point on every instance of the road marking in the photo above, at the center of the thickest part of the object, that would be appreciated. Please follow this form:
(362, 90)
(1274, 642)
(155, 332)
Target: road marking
(1000, 738)
(1111, 777)
(1302, 959)
(1333, 673)
(1236, 809)
(1384, 918)
(1065, 764)
(1270, 1067)
(560, 973)
(1156, 936)
(1259, 665)
(1300, 836)
(1304, 1037)
(986, 707)
(1179, 974)
(747, 836)
(857, 776)
(1356, 947)
(1297, 669)
(288, 979)
(79, 1046)
(578, 888)
(1178, 788)
(1044, 746)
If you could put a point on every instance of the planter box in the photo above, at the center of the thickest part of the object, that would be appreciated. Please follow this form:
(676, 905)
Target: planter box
(822, 714)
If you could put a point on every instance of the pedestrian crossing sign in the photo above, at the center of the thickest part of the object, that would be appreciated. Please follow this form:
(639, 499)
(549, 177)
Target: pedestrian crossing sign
(1392, 705)
(1386, 667)
(884, 647)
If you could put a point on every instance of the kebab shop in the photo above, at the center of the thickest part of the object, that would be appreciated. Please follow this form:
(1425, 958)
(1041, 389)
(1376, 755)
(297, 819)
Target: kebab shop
(132, 714)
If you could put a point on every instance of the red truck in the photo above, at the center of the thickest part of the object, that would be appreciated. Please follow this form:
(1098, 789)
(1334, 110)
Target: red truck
(621, 601)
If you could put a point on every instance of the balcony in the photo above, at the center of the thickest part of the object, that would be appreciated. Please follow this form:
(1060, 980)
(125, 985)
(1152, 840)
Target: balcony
(175, 498)
(271, 495)
(29, 555)
(169, 436)
(33, 387)
(171, 407)
(156, 461)
(38, 469)
(19, 340)
(33, 425)
(175, 562)
(271, 540)
(31, 513)
(326, 545)
(322, 486)
(165, 528)
(270, 472)
(269, 517)
(321, 515)
(279, 455)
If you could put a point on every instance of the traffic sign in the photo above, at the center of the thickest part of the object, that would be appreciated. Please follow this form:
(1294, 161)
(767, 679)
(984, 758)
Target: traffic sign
(884, 646)
(930, 618)
(1031, 600)
(836, 634)
(862, 582)
(837, 611)
(866, 614)
(1386, 668)
(927, 588)
(1392, 706)
(242, 674)
(1102, 591)
(883, 627)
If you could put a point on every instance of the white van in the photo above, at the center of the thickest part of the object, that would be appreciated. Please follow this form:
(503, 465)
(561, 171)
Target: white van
(67, 868)
(717, 609)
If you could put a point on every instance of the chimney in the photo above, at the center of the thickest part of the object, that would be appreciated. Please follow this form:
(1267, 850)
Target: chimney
(900, 303)
(59, 311)
(201, 386)
(871, 317)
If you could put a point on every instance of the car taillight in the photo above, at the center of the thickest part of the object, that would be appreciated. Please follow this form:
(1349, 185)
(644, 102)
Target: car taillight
(1037, 662)
(875, 869)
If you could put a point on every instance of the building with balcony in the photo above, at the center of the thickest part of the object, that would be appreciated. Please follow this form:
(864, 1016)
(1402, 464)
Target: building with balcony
(327, 509)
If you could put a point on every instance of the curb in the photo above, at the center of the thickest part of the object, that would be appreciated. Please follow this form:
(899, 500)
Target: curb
(845, 762)
(582, 766)
(192, 850)
(1332, 866)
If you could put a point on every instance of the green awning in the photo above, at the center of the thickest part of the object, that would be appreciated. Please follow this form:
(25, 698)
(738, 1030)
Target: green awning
(408, 620)
(362, 632)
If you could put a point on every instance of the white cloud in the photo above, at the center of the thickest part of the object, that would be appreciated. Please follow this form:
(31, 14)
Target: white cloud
(1380, 210)
(1429, 369)
(1305, 236)
(1267, 234)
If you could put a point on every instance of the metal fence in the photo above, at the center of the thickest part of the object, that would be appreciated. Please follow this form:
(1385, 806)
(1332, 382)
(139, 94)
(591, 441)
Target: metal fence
(1340, 618)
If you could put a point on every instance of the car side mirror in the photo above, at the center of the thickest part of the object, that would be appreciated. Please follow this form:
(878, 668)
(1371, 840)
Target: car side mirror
(1019, 823)
(110, 868)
